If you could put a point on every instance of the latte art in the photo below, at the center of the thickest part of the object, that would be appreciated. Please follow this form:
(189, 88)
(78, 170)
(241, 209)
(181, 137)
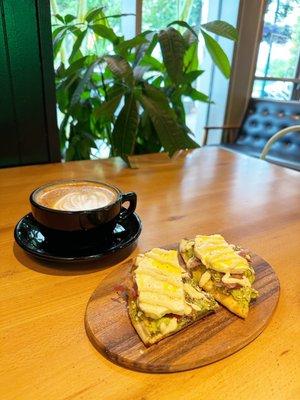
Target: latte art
(78, 201)
(76, 196)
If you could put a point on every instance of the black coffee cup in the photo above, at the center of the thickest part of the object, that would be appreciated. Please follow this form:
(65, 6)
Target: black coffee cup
(106, 200)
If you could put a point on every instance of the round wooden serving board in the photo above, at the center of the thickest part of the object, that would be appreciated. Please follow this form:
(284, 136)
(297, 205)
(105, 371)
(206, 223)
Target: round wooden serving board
(210, 339)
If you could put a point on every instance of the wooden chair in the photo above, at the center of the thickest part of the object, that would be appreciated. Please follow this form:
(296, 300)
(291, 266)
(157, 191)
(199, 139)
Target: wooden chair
(265, 118)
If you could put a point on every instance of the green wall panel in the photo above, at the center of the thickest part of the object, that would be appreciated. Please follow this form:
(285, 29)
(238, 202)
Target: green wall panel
(9, 147)
(26, 58)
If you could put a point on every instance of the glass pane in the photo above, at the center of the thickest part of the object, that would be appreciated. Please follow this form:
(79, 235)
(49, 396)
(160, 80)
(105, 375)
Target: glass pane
(276, 90)
(157, 14)
(279, 49)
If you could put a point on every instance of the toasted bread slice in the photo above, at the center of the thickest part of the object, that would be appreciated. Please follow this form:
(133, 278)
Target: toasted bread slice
(233, 293)
(227, 300)
(167, 300)
(149, 337)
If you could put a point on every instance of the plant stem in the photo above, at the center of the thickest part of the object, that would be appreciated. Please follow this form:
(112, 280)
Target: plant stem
(81, 10)
(186, 10)
(104, 87)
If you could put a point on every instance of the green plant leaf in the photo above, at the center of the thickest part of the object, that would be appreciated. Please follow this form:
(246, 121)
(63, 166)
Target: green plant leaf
(139, 71)
(90, 140)
(152, 62)
(57, 43)
(189, 77)
(62, 132)
(185, 25)
(70, 153)
(82, 83)
(105, 32)
(221, 28)
(172, 48)
(147, 140)
(189, 38)
(76, 46)
(60, 18)
(115, 90)
(122, 47)
(145, 49)
(177, 106)
(93, 13)
(217, 54)
(124, 133)
(62, 98)
(190, 59)
(120, 67)
(117, 15)
(172, 136)
(57, 31)
(106, 110)
(157, 81)
(77, 65)
(69, 18)
(194, 94)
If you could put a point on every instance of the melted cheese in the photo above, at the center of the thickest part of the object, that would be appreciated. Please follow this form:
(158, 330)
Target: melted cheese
(165, 258)
(243, 282)
(215, 253)
(152, 310)
(160, 285)
(192, 292)
(204, 279)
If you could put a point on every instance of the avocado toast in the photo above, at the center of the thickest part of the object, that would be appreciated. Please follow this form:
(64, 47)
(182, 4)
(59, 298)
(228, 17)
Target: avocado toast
(221, 269)
(164, 298)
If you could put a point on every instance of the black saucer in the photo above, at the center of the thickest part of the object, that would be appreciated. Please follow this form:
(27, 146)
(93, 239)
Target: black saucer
(51, 245)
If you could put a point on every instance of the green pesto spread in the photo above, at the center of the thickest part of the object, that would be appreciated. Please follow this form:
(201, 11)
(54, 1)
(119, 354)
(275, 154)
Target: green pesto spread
(244, 295)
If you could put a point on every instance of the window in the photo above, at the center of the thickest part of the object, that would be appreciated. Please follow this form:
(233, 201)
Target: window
(277, 73)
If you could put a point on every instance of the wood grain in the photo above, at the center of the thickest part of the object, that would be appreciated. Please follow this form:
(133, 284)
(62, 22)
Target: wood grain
(44, 350)
(208, 340)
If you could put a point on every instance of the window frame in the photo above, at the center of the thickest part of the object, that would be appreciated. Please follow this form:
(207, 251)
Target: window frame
(295, 93)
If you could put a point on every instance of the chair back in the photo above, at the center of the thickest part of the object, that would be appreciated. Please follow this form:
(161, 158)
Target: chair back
(263, 119)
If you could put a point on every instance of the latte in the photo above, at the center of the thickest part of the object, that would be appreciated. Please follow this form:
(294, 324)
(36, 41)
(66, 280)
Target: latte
(75, 196)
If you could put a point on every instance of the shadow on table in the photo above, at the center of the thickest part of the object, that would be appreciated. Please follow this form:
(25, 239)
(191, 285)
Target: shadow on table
(74, 268)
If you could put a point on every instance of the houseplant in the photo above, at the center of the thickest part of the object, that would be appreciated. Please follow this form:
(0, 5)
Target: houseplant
(123, 93)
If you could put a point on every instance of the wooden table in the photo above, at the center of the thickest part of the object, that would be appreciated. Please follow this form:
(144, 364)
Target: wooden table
(45, 353)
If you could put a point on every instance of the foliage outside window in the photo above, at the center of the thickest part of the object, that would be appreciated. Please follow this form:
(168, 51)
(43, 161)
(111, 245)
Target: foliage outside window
(159, 13)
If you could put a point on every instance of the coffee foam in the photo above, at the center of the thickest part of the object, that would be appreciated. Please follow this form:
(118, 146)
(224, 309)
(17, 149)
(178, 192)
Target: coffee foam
(75, 196)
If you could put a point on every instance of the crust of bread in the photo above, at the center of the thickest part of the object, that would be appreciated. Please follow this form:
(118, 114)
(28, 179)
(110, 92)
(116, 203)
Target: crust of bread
(227, 300)
(139, 327)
